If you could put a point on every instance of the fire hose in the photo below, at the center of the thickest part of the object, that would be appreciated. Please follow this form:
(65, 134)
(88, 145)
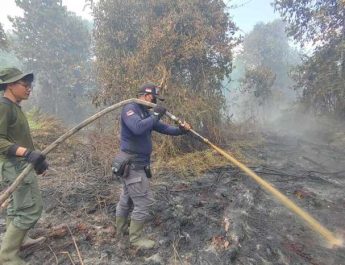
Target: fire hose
(311, 221)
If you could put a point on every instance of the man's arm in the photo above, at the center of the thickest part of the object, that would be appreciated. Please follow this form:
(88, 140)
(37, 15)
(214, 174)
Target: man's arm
(7, 147)
(12, 149)
(5, 144)
(167, 129)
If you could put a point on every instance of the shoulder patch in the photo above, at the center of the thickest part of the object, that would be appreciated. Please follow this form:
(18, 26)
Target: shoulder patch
(129, 113)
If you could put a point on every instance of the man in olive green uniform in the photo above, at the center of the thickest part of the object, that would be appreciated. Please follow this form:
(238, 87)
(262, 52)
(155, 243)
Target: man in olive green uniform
(16, 150)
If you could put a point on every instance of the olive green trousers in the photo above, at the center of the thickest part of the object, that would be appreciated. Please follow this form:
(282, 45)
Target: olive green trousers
(25, 207)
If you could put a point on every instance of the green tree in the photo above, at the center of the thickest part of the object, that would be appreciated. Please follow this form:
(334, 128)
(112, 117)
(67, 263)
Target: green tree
(267, 58)
(260, 80)
(319, 21)
(267, 45)
(189, 43)
(3, 39)
(55, 44)
(322, 75)
(7, 58)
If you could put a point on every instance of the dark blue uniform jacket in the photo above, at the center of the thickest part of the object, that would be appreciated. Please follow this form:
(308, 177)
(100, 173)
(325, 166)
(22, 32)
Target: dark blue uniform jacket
(137, 124)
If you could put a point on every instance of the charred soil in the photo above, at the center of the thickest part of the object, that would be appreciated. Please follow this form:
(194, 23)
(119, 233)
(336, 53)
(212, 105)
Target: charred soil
(220, 217)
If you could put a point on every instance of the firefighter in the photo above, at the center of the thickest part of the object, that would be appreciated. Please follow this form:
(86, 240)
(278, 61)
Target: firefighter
(137, 124)
(16, 150)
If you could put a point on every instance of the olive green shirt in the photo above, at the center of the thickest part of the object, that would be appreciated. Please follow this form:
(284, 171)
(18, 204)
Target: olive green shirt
(14, 128)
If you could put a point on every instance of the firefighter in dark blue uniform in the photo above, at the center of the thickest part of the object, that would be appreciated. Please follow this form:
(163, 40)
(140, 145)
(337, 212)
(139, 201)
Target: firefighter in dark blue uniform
(137, 124)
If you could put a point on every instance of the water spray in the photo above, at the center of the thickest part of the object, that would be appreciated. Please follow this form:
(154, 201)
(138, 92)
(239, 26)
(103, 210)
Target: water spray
(331, 239)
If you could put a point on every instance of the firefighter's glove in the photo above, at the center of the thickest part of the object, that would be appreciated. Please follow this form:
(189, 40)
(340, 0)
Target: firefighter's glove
(37, 159)
(41, 168)
(158, 112)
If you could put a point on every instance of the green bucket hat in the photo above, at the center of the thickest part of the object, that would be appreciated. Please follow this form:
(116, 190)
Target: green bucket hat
(11, 75)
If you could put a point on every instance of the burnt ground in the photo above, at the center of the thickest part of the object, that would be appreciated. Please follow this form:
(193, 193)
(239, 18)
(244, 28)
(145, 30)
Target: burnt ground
(221, 217)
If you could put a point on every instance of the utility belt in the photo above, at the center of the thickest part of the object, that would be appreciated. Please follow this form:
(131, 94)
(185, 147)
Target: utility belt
(124, 162)
(146, 168)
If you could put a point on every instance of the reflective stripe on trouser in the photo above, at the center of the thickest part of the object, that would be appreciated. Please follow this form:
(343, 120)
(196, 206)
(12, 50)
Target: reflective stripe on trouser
(26, 201)
(136, 191)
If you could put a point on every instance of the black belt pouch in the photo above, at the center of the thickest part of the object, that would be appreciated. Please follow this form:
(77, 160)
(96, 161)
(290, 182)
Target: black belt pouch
(121, 165)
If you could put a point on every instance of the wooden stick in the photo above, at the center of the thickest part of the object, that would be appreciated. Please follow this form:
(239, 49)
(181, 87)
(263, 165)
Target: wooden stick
(56, 259)
(70, 258)
(76, 246)
(5, 204)
(7, 193)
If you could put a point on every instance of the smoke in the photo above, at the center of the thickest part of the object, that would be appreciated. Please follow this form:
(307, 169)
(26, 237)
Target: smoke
(244, 106)
(285, 117)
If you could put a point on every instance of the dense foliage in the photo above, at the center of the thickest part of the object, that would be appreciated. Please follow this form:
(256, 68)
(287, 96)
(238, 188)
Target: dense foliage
(266, 59)
(267, 45)
(261, 80)
(322, 75)
(188, 44)
(3, 39)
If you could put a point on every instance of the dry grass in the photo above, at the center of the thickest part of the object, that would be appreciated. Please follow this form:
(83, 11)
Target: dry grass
(188, 157)
(92, 151)
(192, 164)
(195, 163)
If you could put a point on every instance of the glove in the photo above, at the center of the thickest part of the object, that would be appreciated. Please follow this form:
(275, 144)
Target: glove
(37, 159)
(41, 168)
(158, 112)
(34, 157)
